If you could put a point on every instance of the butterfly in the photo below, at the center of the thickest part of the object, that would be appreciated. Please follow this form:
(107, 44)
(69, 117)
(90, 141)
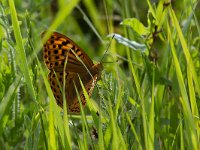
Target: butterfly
(67, 61)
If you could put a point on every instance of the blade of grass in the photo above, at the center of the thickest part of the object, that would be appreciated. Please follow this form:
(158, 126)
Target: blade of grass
(20, 49)
(133, 130)
(7, 100)
(90, 24)
(151, 116)
(121, 141)
(83, 117)
(107, 135)
(181, 137)
(43, 131)
(185, 50)
(113, 126)
(100, 133)
(52, 138)
(65, 10)
(193, 101)
(190, 129)
(94, 14)
(144, 119)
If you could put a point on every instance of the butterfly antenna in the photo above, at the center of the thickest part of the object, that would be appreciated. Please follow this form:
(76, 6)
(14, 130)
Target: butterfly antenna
(107, 48)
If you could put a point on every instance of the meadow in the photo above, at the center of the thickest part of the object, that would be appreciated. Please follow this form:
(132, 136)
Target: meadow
(148, 96)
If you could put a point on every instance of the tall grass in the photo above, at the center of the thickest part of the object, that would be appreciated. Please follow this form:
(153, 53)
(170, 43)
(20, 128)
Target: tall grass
(148, 95)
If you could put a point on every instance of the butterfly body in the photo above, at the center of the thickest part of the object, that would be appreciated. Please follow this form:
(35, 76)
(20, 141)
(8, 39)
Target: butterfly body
(68, 63)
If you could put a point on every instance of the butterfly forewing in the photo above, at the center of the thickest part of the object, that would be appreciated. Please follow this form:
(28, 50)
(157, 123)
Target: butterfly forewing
(60, 50)
(58, 47)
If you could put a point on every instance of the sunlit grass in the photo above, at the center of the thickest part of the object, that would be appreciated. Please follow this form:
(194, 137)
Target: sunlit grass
(148, 95)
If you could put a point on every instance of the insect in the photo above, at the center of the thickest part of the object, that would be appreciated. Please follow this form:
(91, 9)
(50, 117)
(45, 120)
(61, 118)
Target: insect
(67, 61)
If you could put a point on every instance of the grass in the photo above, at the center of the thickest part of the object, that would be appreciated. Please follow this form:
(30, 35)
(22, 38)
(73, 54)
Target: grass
(148, 96)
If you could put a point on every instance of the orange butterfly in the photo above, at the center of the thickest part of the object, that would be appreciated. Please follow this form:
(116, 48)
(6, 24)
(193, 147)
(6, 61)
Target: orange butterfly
(57, 50)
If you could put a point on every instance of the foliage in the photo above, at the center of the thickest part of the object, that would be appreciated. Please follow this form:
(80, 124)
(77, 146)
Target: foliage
(149, 94)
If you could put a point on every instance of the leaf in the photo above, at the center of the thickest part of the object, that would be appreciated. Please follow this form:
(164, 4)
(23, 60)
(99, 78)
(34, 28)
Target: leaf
(132, 44)
(136, 25)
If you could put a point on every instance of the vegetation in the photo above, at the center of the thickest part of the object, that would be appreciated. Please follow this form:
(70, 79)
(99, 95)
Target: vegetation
(149, 93)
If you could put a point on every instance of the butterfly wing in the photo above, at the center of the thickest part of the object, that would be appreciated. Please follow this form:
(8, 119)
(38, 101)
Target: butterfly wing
(89, 83)
(56, 80)
(58, 48)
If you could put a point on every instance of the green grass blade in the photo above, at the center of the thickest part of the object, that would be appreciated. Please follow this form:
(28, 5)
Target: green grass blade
(185, 50)
(100, 133)
(20, 49)
(193, 101)
(94, 14)
(152, 116)
(62, 14)
(181, 137)
(7, 100)
(52, 138)
(83, 116)
(144, 119)
(190, 128)
(133, 130)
